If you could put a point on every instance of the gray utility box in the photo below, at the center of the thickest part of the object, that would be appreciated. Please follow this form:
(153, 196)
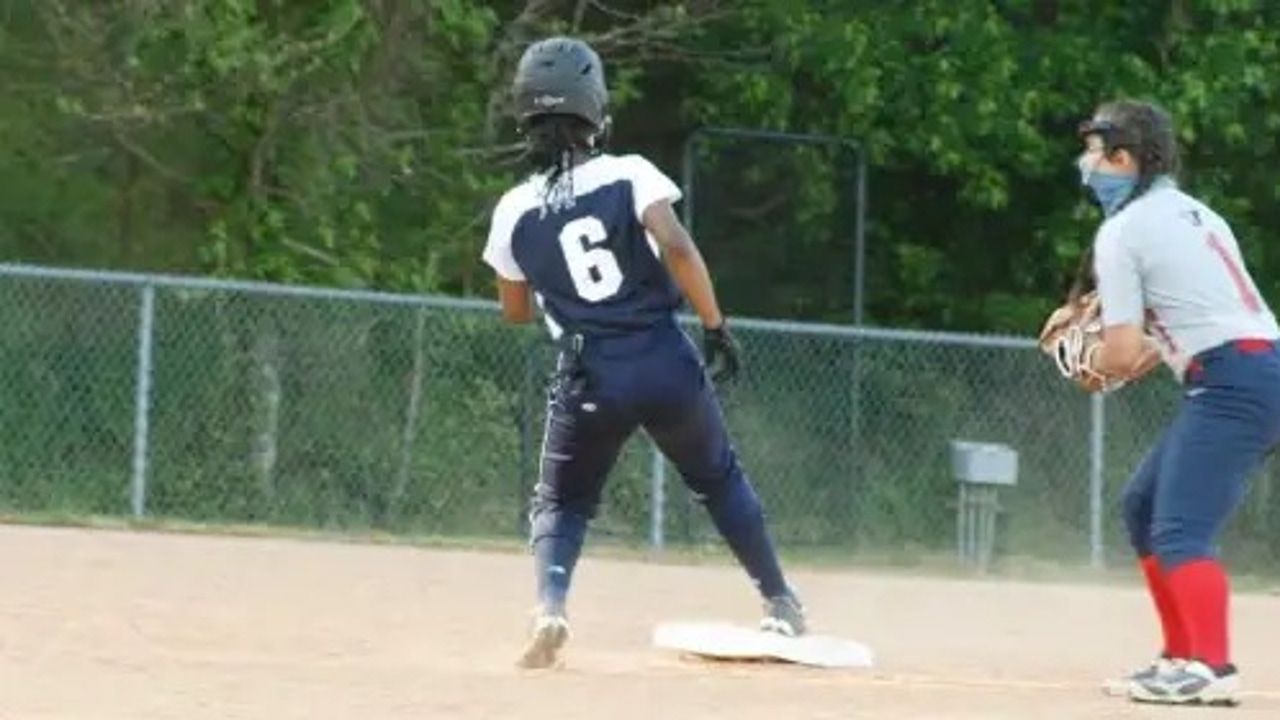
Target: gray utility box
(980, 469)
(984, 463)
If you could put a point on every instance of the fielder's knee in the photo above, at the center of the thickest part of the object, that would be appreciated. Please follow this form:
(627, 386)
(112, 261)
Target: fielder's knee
(1177, 544)
(1136, 509)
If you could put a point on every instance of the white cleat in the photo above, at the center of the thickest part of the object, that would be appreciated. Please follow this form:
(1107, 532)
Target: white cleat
(1189, 683)
(784, 615)
(550, 632)
(1121, 687)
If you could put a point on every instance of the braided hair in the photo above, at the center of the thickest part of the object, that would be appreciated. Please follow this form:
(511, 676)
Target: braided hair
(1146, 132)
(554, 143)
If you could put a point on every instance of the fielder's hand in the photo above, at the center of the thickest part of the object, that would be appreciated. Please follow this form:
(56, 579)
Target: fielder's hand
(721, 353)
(1072, 336)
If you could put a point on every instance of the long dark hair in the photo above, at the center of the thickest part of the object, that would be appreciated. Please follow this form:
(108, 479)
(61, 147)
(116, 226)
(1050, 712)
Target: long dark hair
(1145, 131)
(554, 143)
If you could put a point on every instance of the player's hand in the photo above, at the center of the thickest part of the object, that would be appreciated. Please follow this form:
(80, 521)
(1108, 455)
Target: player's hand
(721, 353)
(1072, 336)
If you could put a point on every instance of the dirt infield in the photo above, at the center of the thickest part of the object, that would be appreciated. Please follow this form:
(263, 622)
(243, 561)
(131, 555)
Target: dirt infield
(115, 625)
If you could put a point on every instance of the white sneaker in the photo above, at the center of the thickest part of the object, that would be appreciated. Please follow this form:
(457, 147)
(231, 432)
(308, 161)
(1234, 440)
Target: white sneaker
(1120, 687)
(549, 634)
(1189, 683)
(784, 615)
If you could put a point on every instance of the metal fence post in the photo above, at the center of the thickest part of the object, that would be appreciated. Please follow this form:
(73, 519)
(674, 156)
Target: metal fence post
(860, 239)
(409, 432)
(657, 499)
(528, 464)
(1097, 432)
(142, 400)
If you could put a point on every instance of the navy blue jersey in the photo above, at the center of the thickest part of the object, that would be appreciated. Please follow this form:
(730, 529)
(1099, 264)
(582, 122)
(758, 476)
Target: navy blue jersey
(593, 267)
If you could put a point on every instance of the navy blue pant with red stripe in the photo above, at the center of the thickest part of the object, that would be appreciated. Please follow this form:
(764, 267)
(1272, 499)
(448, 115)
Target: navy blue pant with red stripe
(653, 380)
(1192, 480)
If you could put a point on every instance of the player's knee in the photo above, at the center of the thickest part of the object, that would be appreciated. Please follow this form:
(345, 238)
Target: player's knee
(717, 475)
(733, 500)
(548, 497)
(550, 521)
(1136, 510)
(1176, 543)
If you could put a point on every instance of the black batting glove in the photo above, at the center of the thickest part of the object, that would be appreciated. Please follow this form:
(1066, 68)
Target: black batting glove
(721, 352)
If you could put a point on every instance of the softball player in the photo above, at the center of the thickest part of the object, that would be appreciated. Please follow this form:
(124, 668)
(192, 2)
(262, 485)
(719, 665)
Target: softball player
(593, 240)
(1166, 262)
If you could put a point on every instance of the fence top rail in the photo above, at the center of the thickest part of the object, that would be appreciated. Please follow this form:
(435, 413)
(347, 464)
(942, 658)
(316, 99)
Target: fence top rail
(183, 282)
(931, 337)
(792, 327)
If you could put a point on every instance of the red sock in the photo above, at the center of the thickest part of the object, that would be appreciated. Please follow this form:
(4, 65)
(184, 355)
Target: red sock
(1176, 643)
(1200, 589)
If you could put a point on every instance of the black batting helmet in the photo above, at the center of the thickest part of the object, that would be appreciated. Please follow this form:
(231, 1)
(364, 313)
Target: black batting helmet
(560, 76)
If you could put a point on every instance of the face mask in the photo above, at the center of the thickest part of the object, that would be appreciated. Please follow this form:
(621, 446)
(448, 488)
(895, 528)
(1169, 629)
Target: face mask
(1110, 189)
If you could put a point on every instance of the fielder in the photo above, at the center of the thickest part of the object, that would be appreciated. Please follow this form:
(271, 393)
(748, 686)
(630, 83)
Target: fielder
(593, 240)
(1172, 284)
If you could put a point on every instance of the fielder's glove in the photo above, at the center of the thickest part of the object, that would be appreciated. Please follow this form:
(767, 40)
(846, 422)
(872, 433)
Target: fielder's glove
(1072, 336)
(720, 351)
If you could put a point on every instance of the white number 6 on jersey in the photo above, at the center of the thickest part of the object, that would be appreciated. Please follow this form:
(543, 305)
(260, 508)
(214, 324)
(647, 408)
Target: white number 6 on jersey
(594, 270)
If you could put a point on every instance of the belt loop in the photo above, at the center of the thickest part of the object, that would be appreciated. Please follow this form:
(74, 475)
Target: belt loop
(571, 344)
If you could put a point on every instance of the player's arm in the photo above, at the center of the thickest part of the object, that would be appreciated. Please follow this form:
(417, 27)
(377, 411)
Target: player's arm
(1126, 352)
(513, 289)
(654, 195)
(516, 300)
(684, 261)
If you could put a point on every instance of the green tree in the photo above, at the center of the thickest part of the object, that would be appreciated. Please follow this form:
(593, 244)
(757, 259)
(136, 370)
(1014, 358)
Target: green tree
(363, 142)
(967, 110)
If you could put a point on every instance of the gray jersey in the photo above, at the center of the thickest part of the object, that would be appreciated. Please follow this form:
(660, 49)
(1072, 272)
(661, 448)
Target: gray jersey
(1170, 263)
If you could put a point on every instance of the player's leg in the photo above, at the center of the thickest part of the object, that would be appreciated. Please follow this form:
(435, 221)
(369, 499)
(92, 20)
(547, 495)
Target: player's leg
(1220, 436)
(1194, 471)
(685, 421)
(1138, 501)
(580, 445)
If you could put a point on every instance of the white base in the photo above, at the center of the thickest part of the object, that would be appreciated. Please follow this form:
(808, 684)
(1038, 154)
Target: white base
(732, 642)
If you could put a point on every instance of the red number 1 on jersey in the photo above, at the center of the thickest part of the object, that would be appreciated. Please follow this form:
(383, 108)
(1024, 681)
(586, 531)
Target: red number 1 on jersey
(1237, 276)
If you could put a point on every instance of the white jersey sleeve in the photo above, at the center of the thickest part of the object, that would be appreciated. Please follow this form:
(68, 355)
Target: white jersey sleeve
(1119, 276)
(497, 251)
(649, 185)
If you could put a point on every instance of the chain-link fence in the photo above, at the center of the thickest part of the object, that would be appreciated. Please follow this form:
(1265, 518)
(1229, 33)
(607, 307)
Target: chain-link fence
(243, 403)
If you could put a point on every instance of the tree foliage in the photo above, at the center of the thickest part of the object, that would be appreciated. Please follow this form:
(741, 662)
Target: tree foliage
(362, 142)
